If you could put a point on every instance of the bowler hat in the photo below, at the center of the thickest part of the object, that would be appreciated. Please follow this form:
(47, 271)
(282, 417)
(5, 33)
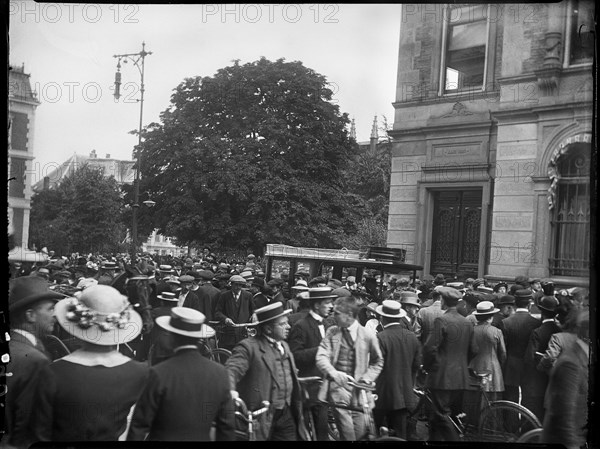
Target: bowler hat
(506, 299)
(523, 294)
(548, 303)
(100, 315)
(485, 308)
(270, 312)
(26, 290)
(390, 309)
(320, 293)
(185, 321)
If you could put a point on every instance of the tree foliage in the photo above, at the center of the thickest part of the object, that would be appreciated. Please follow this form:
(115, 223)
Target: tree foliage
(251, 155)
(82, 214)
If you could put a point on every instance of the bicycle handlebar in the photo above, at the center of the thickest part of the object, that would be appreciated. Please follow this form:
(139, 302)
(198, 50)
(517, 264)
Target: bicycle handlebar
(251, 415)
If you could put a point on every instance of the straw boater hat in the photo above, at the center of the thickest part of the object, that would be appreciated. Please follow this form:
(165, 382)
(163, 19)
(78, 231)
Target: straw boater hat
(485, 308)
(168, 296)
(100, 315)
(270, 312)
(391, 309)
(301, 285)
(187, 322)
(319, 293)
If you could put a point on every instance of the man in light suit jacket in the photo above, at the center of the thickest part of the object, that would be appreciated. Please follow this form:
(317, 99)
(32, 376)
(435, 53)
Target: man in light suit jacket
(446, 358)
(347, 351)
(304, 340)
(31, 307)
(186, 393)
(234, 306)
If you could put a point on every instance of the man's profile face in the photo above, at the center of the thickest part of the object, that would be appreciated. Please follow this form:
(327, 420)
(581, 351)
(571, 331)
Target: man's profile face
(43, 313)
(281, 328)
(323, 308)
(342, 319)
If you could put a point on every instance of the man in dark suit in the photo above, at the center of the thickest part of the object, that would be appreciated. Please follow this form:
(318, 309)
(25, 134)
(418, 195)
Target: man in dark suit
(276, 290)
(506, 304)
(566, 403)
(31, 307)
(401, 360)
(263, 368)
(197, 300)
(186, 393)
(517, 330)
(445, 358)
(534, 381)
(304, 340)
(234, 306)
(203, 279)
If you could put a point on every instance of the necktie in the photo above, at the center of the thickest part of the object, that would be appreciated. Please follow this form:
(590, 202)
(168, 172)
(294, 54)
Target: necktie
(321, 328)
(347, 337)
(279, 346)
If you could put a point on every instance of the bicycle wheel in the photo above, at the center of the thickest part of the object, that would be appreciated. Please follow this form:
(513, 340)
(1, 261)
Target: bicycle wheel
(506, 421)
(533, 436)
(220, 355)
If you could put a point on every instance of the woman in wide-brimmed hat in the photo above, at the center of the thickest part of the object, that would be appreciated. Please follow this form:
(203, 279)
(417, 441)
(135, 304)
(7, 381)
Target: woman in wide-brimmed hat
(87, 395)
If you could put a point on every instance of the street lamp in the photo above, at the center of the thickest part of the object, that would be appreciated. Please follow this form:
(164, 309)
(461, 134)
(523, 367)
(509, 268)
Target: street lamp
(138, 60)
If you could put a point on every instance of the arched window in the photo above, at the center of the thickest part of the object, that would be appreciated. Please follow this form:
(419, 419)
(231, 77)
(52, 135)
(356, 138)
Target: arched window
(570, 212)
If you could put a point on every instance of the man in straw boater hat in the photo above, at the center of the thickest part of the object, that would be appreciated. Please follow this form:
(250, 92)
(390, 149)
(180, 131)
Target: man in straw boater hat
(445, 358)
(489, 354)
(186, 393)
(348, 351)
(95, 380)
(31, 306)
(234, 306)
(263, 368)
(304, 339)
(402, 357)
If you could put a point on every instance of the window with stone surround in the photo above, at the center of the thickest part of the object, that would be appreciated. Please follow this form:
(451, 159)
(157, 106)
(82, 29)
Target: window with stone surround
(465, 42)
(570, 212)
(579, 42)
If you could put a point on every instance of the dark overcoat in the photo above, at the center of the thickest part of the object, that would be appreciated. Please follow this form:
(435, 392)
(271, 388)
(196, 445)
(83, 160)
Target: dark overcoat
(241, 313)
(446, 352)
(516, 329)
(402, 358)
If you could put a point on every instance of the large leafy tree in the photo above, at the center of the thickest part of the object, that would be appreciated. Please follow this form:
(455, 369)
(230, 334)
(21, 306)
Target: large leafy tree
(83, 214)
(251, 155)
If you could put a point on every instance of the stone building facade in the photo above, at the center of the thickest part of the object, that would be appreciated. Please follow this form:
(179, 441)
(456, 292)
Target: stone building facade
(493, 140)
(22, 103)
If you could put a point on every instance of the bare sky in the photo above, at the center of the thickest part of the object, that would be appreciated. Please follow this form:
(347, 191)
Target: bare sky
(68, 50)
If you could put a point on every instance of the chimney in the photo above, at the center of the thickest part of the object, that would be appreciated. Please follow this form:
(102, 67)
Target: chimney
(46, 182)
(93, 154)
(107, 155)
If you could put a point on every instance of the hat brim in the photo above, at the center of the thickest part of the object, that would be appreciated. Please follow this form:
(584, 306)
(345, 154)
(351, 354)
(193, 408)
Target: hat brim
(491, 312)
(411, 302)
(320, 298)
(93, 334)
(32, 299)
(205, 331)
(284, 313)
(379, 311)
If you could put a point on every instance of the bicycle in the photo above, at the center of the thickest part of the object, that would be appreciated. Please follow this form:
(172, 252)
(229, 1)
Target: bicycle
(246, 420)
(371, 432)
(500, 420)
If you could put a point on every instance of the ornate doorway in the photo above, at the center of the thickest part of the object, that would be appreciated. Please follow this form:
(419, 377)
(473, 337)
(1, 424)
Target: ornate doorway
(456, 231)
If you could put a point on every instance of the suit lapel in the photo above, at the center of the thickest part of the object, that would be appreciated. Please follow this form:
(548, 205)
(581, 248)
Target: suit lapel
(265, 347)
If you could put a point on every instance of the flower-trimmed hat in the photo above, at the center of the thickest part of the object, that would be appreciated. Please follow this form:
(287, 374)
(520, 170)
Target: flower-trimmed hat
(270, 312)
(187, 322)
(100, 315)
(391, 309)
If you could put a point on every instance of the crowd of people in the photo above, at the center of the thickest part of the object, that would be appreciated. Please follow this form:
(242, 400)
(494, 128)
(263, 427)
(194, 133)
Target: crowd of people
(533, 339)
